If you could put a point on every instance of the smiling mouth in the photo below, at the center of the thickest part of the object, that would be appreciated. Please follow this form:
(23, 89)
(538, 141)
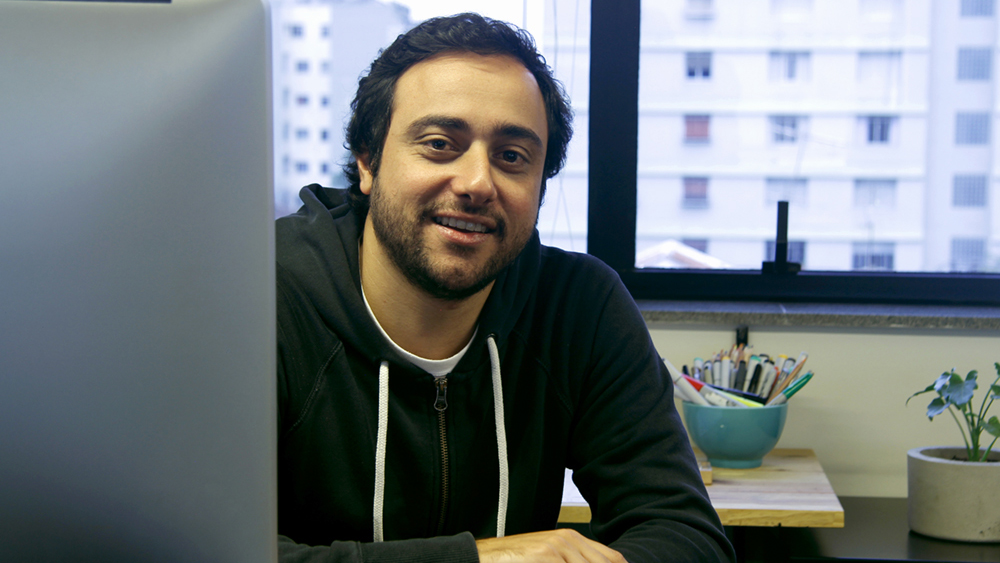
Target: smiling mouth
(460, 225)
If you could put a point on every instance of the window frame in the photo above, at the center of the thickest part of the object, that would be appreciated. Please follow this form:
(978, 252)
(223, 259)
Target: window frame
(612, 203)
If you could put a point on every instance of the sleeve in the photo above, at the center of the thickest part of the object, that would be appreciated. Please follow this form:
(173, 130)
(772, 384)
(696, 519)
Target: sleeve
(450, 549)
(633, 462)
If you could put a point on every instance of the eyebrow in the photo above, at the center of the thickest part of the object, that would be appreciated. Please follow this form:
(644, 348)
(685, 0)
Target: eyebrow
(509, 130)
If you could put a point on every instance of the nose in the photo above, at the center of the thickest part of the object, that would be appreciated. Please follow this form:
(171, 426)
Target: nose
(474, 182)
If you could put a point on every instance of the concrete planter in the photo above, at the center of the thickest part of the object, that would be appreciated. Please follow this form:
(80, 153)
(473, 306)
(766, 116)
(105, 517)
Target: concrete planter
(951, 499)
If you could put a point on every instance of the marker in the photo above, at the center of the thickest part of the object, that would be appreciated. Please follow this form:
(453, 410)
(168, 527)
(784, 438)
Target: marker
(716, 371)
(741, 376)
(687, 391)
(719, 398)
(727, 369)
(767, 380)
(792, 389)
(699, 369)
(751, 372)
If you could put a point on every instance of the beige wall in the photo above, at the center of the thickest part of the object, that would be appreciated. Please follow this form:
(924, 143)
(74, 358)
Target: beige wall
(852, 413)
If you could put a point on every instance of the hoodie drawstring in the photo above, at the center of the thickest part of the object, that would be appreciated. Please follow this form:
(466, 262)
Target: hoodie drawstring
(383, 426)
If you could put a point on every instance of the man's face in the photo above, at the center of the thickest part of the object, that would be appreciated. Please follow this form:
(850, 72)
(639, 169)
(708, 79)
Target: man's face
(457, 192)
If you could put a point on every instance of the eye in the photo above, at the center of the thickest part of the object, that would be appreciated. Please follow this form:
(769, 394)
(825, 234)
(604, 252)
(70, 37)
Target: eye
(438, 144)
(511, 156)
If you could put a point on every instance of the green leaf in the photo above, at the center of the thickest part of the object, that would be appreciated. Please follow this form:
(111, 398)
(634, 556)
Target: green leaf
(996, 391)
(936, 407)
(960, 392)
(993, 426)
(927, 390)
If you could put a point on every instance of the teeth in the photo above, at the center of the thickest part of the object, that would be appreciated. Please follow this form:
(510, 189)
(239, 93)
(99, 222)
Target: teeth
(461, 225)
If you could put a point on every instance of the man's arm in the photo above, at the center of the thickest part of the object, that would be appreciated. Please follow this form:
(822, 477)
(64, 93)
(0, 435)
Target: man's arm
(450, 549)
(630, 453)
(554, 546)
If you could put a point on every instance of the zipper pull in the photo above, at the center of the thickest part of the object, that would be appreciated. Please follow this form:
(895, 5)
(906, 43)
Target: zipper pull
(441, 400)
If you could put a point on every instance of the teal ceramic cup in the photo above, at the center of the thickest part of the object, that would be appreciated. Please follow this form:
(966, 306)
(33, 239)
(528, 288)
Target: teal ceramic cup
(735, 437)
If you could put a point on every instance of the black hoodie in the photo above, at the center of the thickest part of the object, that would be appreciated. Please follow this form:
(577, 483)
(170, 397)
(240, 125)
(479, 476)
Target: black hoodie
(583, 388)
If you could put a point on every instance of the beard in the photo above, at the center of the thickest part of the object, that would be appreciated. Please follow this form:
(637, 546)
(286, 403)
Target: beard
(401, 233)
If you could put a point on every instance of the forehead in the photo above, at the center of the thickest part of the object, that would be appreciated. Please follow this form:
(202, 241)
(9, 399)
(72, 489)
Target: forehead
(482, 89)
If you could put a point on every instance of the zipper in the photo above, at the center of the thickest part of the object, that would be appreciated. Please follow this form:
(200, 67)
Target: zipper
(440, 404)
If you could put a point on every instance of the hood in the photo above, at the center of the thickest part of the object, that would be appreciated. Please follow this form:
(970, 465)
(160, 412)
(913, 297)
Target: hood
(317, 246)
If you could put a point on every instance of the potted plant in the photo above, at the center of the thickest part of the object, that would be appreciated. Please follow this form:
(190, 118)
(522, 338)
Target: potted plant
(954, 492)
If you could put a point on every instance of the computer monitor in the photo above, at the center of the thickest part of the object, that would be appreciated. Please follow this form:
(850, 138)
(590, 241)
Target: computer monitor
(137, 350)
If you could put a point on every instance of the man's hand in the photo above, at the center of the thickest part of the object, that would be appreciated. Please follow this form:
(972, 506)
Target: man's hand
(556, 546)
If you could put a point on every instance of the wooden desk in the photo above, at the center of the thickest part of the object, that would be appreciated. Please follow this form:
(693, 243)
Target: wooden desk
(789, 489)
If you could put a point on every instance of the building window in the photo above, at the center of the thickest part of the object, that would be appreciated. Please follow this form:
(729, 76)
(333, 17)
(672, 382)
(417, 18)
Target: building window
(296, 30)
(793, 190)
(875, 193)
(324, 168)
(302, 66)
(302, 134)
(785, 128)
(696, 128)
(699, 65)
(325, 101)
(699, 10)
(302, 100)
(699, 244)
(324, 67)
(975, 63)
(796, 251)
(969, 191)
(878, 129)
(324, 134)
(789, 66)
(968, 254)
(879, 256)
(695, 193)
(324, 31)
(977, 8)
(302, 167)
(972, 128)
(791, 7)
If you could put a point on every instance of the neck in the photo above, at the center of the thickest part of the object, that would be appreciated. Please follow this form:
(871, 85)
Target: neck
(419, 323)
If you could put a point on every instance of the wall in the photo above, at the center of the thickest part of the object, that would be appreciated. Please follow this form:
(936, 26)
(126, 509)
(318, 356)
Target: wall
(853, 413)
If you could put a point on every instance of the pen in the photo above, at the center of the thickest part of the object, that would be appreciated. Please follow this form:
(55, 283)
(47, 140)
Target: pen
(721, 398)
(687, 391)
(751, 372)
(791, 390)
(727, 367)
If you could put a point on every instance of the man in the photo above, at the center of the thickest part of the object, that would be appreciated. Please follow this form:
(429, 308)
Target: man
(438, 367)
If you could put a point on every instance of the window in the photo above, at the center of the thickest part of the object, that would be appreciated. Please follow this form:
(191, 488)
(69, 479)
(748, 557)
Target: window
(302, 134)
(296, 30)
(324, 134)
(302, 66)
(302, 100)
(699, 65)
(324, 31)
(969, 191)
(879, 194)
(977, 8)
(791, 7)
(699, 10)
(975, 63)
(793, 190)
(696, 129)
(695, 193)
(699, 244)
(972, 128)
(302, 167)
(785, 128)
(879, 75)
(796, 251)
(789, 66)
(325, 101)
(324, 168)
(878, 129)
(878, 256)
(324, 67)
(968, 254)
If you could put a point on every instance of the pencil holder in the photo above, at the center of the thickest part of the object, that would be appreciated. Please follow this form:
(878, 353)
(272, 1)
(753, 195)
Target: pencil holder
(735, 437)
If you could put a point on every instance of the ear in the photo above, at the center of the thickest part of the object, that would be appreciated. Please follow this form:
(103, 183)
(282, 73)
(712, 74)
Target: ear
(365, 172)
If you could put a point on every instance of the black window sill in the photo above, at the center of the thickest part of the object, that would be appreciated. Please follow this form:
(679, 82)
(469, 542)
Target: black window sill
(820, 315)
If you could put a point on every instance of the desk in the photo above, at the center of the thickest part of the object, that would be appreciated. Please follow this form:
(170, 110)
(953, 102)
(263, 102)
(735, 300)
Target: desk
(876, 532)
(789, 489)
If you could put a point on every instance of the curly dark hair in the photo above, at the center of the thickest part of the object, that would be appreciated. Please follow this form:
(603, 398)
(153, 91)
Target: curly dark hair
(371, 109)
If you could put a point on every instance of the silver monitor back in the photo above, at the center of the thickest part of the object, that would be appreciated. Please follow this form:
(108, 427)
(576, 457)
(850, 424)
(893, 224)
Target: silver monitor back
(137, 415)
